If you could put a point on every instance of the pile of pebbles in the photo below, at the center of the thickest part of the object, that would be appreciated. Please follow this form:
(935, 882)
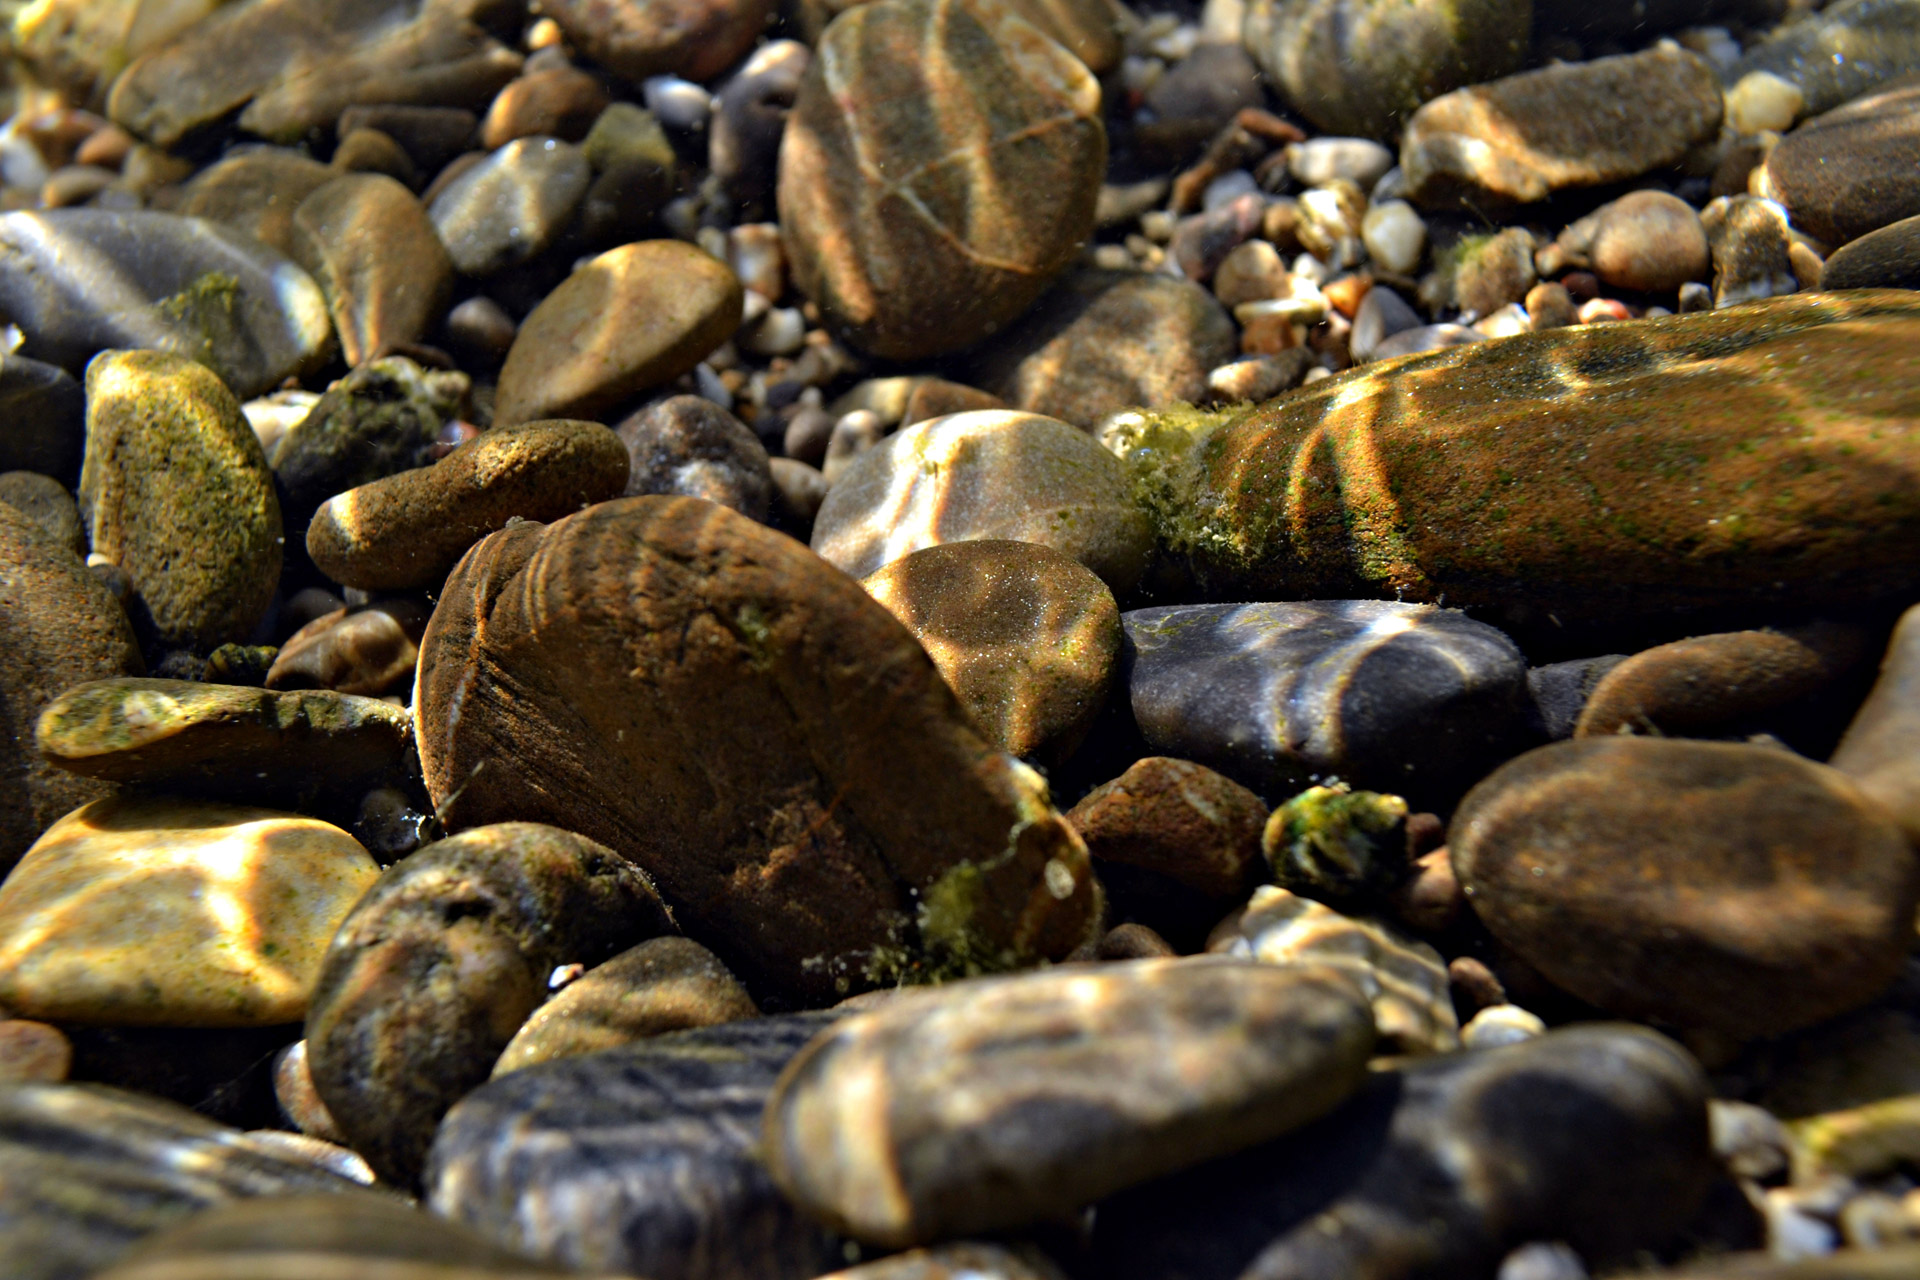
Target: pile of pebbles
(1007, 639)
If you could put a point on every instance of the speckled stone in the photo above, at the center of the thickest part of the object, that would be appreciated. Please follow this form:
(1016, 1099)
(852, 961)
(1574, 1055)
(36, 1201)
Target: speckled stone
(1851, 171)
(370, 247)
(988, 474)
(370, 650)
(1027, 638)
(1647, 241)
(1011, 1101)
(1752, 246)
(174, 913)
(1885, 259)
(1881, 749)
(33, 1052)
(511, 206)
(1343, 847)
(690, 446)
(382, 418)
(408, 529)
(46, 502)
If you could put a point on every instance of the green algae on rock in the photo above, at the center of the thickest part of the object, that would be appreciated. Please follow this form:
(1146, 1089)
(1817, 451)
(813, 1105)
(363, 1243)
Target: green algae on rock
(1335, 843)
(1758, 454)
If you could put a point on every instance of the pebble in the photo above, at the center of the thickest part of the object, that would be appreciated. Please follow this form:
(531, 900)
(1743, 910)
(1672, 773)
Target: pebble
(1485, 273)
(1196, 98)
(1676, 881)
(1027, 638)
(1403, 698)
(750, 117)
(431, 136)
(1885, 259)
(378, 260)
(384, 417)
(174, 913)
(1395, 236)
(966, 1261)
(511, 206)
(441, 961)
(1644, 242)
(977, 1109)
(1258, 378)
(1752, 249)
(1848, 50)
(46, 502)
(299, 1100)
(629, 320)
(1852, 170)
(1337, 845)
(1500, 1024)
(408, 530)
(987, 474)
(921, 264)
(690, 446)
(1762, 101)
(1381, 315)
(697, 39)
(81, 281)
(255, 189)
(369, 151)
(1200, 243)
(177, 494)
(560, 102)
(639, 1160)
(1878, 751)
(43, 418)
(937, 397)
(1318, 161)
(821, 831)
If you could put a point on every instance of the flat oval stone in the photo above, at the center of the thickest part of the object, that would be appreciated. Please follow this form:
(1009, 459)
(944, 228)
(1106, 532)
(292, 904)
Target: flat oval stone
(370, 650)
(920, 130)
(690, 446)
(1010, 1101)
(43, 418)
(441, 961)
(1885, 259)
(1881, 749)
(174, 913)
(630, 319)
(1738, 888)
(382, 418)
(408, 529)
(1851, 171)
(821, 828)
(511, 206)
(1027, 638)
(640, 1160)
(177, 493)
(81, 281)
(996, 474)
(378, 260)
(697, 39)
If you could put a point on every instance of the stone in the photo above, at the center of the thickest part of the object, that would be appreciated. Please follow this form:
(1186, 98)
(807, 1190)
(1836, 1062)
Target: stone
(1088, 29)
(697, 39)
(1257, 378)
(368, 650)
(408, 529)
(1361, 68)
(822, 830)
(639, 1160)
(369, 151)
(1752, 247)
(80, 45)
(1588, 23)
(630, 319)
(81, 281)
(1763, 101)
(177, 494)
(1879, 749)
(1008, 1102)
(1202, 242)
(1520, 139)
(1133, 941)
(1252, 272)
(750, 117)
(369, 245)
(384, 417)
(1646, 242)
(1427, 337)
(988, 474)
(1648, 468)
(1405, 981)
(299, 1100)
(1337, 845)
(1735, 888)
(255, 190)
(46, 502)
(1382, 314)
(43, 416)
(174, 913)
(965, 1261)
(662, 985)
(560, 102)
(290, 67)
(1561, 690)
(1846, 51)
(1027, 638)
(1103, 341)
(225, 741)
(689, 445)
(431, 136)
(1595, 1135)
(937, 397)
(1395, 236)
(437, 966)
(1319, 161)
(1485, 273)
(1885, 259)
(87, 1171)
(1850, 171)
(1409, 699)
(1195, 99)
(33, 1052)
(511, 206)
(917, 128)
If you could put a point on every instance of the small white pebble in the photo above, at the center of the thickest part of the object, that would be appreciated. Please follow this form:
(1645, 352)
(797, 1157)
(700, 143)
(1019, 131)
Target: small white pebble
(1311, 269)
(1507, 322)
(1763, 101)
(1500, 1024)
(677, 103)
(708, 384)
(1395, 236)
(780, 332)
(1543, 1261)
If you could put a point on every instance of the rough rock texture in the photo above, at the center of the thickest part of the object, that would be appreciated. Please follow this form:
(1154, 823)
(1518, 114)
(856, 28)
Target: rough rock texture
(689, 445)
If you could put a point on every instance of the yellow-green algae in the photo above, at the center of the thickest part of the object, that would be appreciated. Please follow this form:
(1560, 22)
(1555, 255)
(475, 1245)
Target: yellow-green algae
(1335, 843)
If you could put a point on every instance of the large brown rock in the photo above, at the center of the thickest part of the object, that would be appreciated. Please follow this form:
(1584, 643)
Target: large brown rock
(1851, 171)
(940, 166)
(710, 699)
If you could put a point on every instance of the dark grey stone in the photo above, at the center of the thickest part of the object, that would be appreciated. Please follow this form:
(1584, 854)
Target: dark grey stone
(639, 1160)
(1382, 314)
(380, 419)
(1885, 259)
(43, 419)
(1402, 698)
(1847, 50)
(1560, 691)
(690, 446)
(750, 117)
(510, 207)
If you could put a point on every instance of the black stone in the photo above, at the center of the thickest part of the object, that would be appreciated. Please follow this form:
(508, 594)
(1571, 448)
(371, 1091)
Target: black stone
(43, 419)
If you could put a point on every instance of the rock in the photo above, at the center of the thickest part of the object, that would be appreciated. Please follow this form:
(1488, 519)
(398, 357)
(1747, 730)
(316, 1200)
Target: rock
(33, 1052)
(1646, 241)
(1403, 698)
(255, 190)
(173, 913)
(443, 959)
(1878, 751)
(1175, 843)
(1338, 845)
(43, 417)
(290, 67)
(370, 151)
(1319, 161)
(46, 502)
(1202, 242)
(299, 1100)
(1395, 236)
(1504, 475)
(560, 102)
(798, 492)
(1103, 341)
(1405, 981)
(1520, 139)
(1361, 68)
(1253, 272)
(1885, 259)
(1257, 378)
(1848, 50)
(660, 986)
(80, 45)
(1752, 249)
(177, 493)
(408, 529)
(750, 117)
(1673, 880)
(1852, 170)
(87, 1171)
(690, 446)
(1090, 30)
(937, 397)
(966, 1261)
(80, 281)
(511, 206)
(635, 166)
(1133, 941)
(382, 418)
(1427, 337)
(1561, 690)
(368, 650)
(630, 319)
(369, 245)
(639, 1160)
(1595, 1135)
(1012, 1101)
(431, 136)
(1488, 272)
(780, 832)
(990, 474)
(908, 231)
(1195, 99)
(697, 39)
(1382, 314)
(1027, 638)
